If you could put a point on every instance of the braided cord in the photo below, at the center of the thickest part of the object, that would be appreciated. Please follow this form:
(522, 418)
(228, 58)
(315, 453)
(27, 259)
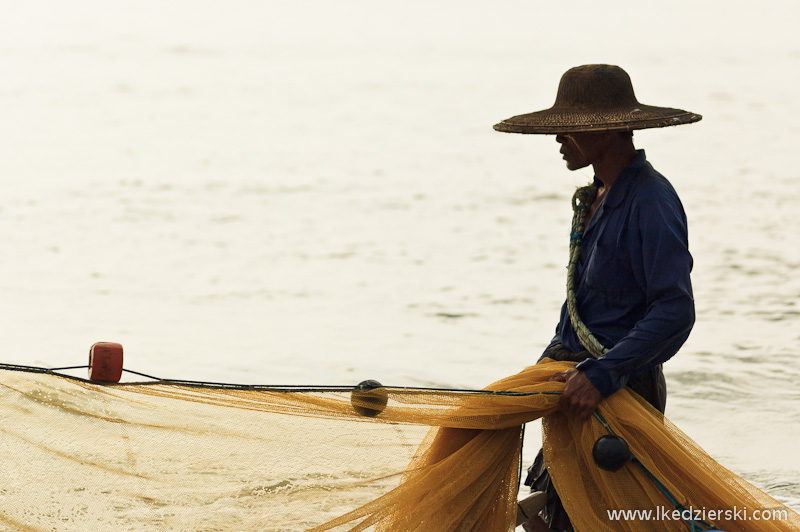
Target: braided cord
(581, 202)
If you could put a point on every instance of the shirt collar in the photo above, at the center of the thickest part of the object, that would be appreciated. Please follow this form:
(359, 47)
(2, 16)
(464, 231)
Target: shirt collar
(620, 186)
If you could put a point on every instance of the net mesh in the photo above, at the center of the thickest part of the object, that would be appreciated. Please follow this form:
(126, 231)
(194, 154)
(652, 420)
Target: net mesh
(155, 456)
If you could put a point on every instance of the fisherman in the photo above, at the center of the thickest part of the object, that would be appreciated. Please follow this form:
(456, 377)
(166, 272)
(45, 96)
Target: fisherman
(629, 302)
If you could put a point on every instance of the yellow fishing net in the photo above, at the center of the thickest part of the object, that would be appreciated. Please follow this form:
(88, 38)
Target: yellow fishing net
(81, 456)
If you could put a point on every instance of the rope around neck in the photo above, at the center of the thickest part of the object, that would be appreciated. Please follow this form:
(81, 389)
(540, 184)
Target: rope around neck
(581, 202)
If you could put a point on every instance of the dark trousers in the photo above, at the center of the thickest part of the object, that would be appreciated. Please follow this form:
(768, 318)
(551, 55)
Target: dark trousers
(650, 385)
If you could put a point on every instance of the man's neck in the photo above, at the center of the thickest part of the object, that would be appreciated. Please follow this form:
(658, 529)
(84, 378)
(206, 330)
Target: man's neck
(612, 162)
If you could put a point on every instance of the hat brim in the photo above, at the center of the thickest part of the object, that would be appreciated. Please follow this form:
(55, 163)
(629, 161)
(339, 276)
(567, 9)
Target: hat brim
(555, 121)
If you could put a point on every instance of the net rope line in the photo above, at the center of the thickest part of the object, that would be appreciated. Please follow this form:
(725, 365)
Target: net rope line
(289, 388)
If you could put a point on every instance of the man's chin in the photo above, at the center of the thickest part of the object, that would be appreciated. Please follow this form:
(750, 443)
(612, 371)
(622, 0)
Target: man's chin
(576, 166)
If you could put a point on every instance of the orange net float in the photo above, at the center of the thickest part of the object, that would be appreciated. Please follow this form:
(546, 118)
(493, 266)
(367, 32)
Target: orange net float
(105, 362)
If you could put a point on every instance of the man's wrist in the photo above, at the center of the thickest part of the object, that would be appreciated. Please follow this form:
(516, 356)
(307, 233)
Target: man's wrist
(601, 378)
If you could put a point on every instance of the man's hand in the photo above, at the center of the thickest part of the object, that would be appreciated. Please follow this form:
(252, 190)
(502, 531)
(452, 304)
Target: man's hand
(580, 397)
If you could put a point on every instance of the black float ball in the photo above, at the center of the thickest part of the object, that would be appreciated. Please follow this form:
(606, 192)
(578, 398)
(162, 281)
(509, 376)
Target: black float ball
(610, 452)
(369, 398)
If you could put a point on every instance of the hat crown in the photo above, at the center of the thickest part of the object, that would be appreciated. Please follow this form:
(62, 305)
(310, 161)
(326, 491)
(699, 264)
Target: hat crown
(595, 87)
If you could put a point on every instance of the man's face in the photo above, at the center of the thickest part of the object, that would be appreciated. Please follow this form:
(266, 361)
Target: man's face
(582, 149)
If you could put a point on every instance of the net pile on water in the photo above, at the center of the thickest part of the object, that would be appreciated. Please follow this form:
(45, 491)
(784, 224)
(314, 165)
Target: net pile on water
(187, 456)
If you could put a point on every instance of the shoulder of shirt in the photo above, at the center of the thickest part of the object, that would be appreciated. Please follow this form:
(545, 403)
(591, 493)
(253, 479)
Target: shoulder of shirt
(639, 184)
(647, 185)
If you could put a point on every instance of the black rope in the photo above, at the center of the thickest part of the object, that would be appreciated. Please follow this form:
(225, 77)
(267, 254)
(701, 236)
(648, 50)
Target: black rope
(262, 387)
(69, 367)
(521, 466)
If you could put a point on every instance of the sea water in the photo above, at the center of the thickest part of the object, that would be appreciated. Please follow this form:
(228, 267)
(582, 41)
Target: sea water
(312, 193)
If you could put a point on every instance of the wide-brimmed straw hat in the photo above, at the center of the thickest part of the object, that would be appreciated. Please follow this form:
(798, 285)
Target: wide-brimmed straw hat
(596, 98)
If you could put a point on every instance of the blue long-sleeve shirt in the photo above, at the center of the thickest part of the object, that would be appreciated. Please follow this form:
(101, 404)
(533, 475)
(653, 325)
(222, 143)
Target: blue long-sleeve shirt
(634, 291)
